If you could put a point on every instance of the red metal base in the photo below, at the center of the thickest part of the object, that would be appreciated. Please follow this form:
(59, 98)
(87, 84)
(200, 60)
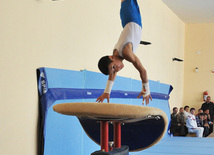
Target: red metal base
(104, 135)
(117, 134)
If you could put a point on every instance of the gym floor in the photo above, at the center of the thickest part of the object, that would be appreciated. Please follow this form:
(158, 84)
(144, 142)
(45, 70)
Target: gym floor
(183, 145)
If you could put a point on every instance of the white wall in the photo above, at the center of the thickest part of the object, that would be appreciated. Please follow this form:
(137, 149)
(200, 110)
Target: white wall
(199, 37)
(73, 34)
(167, 34)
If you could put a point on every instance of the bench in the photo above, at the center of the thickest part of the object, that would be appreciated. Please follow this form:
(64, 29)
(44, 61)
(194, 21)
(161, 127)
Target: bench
(191, 135)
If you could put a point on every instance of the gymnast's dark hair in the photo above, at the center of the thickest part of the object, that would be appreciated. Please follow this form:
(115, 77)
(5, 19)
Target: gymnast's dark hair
(103, 64)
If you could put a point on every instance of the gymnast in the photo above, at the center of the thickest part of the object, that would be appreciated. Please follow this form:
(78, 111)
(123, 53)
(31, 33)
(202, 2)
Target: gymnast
(125, 49)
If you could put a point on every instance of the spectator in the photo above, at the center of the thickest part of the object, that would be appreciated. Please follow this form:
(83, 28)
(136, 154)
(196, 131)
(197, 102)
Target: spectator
(209, 121)
(201, 122)
(183, 131)
(199, 111)
(208, 105)
(174, 124)
(186, 111)
(207, 112)
(192, 124)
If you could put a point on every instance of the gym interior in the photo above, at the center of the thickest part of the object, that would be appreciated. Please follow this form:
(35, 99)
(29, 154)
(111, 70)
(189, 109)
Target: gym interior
(74, 34)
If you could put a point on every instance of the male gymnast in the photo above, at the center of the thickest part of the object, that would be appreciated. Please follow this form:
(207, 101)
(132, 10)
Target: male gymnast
(124, 49)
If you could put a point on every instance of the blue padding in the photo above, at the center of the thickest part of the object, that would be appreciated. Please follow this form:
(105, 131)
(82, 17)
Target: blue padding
(64, 134)
(54, 94)
(59, 78)
(94, 80)
(122, 83)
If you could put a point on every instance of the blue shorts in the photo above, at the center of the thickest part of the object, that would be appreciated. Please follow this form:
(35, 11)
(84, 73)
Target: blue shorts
(130, 12)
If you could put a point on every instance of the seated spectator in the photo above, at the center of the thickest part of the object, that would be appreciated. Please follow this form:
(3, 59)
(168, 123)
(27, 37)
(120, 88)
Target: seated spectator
(201, 122)
(208, 105)
(174, 124)
(186, 111)
(207, 111)
(183, 131)
(199, 111)
(192, 124)
(209, 121)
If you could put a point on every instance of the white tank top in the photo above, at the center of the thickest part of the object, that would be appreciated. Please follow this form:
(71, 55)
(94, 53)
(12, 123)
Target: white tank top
(130, 34)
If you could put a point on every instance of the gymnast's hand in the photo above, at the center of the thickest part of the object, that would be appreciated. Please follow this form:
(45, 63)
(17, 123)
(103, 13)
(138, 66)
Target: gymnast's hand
(103, 97)
(146, 98)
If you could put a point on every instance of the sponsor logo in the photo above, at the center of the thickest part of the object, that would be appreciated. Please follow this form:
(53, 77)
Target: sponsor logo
(43, 83)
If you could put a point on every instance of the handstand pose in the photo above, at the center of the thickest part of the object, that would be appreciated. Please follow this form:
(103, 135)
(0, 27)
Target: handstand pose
(125, 49)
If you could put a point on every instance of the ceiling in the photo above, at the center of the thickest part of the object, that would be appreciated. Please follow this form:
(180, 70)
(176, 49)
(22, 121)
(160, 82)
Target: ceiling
(192, 11)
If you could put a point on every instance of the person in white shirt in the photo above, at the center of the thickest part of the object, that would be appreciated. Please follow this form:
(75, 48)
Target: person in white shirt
(192, 124)
(186, 112)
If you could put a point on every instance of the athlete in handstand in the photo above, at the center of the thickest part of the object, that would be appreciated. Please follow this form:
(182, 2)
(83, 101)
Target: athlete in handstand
(125, 49)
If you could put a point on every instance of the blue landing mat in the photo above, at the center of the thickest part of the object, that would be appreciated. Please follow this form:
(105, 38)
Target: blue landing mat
(181, 146)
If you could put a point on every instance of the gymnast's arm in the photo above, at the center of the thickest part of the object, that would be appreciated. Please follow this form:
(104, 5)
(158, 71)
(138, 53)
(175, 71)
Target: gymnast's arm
(131, 57)
(104, 96)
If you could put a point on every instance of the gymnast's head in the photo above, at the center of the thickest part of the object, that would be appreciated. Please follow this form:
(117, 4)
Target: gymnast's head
(110, 64)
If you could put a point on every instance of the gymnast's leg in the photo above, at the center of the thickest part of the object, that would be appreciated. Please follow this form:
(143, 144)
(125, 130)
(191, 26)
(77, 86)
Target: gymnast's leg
(130, 12)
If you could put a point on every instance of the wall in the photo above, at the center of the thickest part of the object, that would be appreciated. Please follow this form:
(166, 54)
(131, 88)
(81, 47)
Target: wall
(167, 34)
(199, 37)
(73, 34)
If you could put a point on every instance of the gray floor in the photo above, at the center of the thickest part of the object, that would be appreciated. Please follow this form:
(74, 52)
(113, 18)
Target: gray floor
(212, 134)
(182, 146)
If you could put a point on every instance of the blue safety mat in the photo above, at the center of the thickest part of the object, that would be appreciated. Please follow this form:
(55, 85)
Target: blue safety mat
(60, 134)
(181, 146)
